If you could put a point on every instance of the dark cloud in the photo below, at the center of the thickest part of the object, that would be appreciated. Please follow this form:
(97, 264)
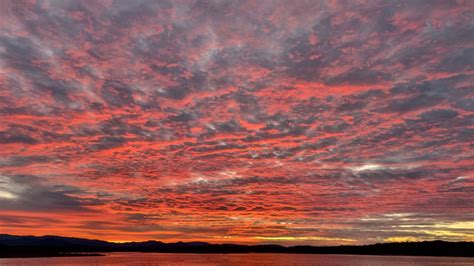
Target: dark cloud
(14, 137)
(359, 76)
(29, 194)
(439, 115)
(25, 160)
(183, 117)
(117, 94)
(458, 60)
(413, 103)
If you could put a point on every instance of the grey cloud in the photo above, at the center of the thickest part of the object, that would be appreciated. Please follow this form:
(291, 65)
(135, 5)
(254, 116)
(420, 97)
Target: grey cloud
(335, 128)
(359, 76)
(14, 137)
(117, 94)
(25, 160)
(412, 103)
(108, 142)
(439, 115)
(176, 93)
(457, 61)
(229, 126)
(28, 193)
(182, 117)
(465, 104)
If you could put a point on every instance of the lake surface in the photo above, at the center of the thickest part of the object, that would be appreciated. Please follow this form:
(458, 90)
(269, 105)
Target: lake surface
(146, 259)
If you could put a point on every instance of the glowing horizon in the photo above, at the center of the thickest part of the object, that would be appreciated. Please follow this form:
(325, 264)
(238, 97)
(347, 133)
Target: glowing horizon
(302, 122)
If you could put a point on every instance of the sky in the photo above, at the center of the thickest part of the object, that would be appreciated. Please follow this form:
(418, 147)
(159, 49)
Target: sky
(288, 122)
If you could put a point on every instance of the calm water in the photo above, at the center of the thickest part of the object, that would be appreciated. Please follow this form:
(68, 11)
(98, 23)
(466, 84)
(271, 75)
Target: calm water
(139, 259)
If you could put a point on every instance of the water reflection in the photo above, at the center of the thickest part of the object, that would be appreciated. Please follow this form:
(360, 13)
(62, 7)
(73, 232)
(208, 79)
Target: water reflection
(145, 259)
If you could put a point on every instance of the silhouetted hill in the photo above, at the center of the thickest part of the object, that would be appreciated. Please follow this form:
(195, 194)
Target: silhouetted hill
(40, 246)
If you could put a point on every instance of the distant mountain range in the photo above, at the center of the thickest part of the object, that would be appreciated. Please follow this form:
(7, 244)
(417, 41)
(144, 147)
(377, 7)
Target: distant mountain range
(45, 246)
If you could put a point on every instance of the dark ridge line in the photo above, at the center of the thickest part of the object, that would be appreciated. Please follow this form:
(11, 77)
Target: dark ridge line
(12, 246)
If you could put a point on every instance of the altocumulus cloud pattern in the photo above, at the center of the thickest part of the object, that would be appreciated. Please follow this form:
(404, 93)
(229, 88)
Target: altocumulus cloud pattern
(321, 122)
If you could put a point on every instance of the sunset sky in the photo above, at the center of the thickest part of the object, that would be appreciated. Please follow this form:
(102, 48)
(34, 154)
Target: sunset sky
(289, 122)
